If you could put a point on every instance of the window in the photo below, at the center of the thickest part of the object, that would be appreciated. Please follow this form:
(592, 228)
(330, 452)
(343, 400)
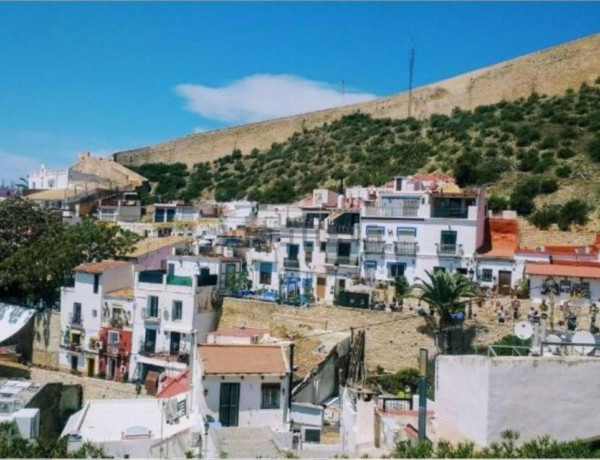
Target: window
(395, 270)
(94, 313)
(309, 246)
(269, 395)
(152, 306)
(486, 274)
(96, 283)
(177, 312)
(113, 337)
(323, 246)
(312, 435)
(565, 286)
(406, 234)
(375, 231)
(266, 269)
(439, 269)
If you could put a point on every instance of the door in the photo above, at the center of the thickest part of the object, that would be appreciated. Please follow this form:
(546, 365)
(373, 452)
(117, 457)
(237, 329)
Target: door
(320, 287)
(504, 282)
(293, 250)
(150, 341)
(171, 270)
(175, 339)
(74, 362)
(229, 404)
(448, 242)
(90, 367)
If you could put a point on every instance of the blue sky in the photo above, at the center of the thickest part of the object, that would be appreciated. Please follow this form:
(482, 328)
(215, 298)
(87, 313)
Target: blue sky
(110, 76)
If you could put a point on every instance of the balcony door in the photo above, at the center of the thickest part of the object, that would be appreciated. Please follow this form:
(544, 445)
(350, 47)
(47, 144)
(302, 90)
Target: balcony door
(76, 313)
(448, 240)
(150, 341)
(293, 251)
(175, 339)
(229, 404)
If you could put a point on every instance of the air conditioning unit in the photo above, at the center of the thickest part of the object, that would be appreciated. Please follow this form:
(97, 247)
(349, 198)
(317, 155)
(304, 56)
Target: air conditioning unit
(99, 345)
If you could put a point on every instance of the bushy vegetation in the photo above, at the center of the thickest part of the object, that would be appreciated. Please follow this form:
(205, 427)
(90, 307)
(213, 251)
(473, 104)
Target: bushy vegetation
(397, 383)
(543, 447)
(520, 150)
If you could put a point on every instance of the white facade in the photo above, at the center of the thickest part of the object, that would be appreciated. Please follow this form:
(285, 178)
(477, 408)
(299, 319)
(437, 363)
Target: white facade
(587, 289)
(483, 396)
(170, 306)
(357, 424)
(238, 214)
(420, 226)
(48, 179)
(81, 310)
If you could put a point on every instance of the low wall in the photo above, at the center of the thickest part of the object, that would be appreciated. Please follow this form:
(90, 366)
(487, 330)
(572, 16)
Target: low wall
(46, 339)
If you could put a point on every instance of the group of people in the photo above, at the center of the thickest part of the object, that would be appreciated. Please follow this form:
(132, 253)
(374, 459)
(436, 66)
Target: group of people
(508, 312)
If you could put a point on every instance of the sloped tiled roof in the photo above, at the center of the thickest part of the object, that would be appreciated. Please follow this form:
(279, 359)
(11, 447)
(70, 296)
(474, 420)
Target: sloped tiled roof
(242, 359)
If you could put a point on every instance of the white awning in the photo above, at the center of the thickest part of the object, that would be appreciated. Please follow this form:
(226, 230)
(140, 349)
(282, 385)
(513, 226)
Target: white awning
(13, 319)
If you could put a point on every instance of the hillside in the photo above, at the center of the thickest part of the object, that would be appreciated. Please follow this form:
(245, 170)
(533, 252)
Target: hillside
(532, 154)
(551, 72)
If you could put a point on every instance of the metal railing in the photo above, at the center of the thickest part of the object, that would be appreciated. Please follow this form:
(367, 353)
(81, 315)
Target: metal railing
(408, 210)
(394, 403)
(453, 213)
(174, 280)
(444, 249)
(374, 247)
(147, 348)
(405, 248)
(75, 320)
(151, 276)
(291, 263)
(334, 229)
(151, 314)
(341, 260)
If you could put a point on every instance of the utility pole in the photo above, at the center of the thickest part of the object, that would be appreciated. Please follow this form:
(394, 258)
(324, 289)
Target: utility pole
(411, 69)
(423, 356)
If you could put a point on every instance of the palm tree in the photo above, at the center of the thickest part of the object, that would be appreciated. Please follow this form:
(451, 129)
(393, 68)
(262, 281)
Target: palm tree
(447, 293)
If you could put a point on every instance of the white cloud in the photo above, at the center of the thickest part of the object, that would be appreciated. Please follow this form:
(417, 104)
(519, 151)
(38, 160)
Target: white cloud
(16, 166)
(265, 96)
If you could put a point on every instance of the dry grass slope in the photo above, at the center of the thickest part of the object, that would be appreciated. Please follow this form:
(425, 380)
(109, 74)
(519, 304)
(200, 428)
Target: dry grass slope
(550, 71)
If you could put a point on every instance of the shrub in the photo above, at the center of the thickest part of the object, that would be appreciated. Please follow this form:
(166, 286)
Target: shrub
(547, 186)
(565, 153)
(497, 203)
(594, 149)
(521, 203)
(572, 212)
(545, 217)
(529, 160)
(563, 171)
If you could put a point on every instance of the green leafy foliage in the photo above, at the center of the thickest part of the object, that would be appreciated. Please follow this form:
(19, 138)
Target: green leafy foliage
(542, 447)
(396, 383)
(573, 212)
(34, 268)
(12, 445)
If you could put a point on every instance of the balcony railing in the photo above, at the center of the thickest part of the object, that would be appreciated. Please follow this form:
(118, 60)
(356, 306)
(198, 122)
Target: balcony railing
(291, 263)
(340, 229)
(113, 349)
(374, 247)
(405, 248)
(450, 213)
(174, 280)
(341, 260)
(75, 321)
(147, 348)
(444, 249)
(392, 211)
(151, 314)
(151, 276)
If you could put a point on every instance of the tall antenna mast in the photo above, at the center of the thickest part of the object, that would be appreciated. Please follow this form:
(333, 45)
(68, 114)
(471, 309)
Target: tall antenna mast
(411, 69)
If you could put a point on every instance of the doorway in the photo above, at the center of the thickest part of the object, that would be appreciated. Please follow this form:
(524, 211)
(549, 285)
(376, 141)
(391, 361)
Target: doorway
(174, 346)
(91, 364)
(74, 363)
(320, 287)
(504, 282)
(150, 341)
(229, 404)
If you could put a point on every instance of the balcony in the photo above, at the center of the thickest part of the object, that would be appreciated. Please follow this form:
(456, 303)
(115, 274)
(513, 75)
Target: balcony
(75, 321)
(408, 210)
(151, 276)
(342, 230)
(450, 213)
(449, 250)
(374, 247)
(114, 349)
(151, 315)
(179, 280)
(147, 348)
(405, 248)
(341, 260)
(291, 263)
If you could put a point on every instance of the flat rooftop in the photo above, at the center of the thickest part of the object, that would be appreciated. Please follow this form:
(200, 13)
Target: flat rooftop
(15, 394)
(103, 420)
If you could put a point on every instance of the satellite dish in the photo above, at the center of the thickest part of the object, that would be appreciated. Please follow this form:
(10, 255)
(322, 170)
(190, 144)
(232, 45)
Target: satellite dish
(553, 342)
(586, 340)
(523, 330)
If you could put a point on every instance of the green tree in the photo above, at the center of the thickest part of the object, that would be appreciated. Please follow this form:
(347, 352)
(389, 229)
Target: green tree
(401, 285)
(37, 270)
(447, 293)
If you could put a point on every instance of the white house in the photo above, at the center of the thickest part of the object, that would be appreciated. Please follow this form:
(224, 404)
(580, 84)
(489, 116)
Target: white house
(176, 212)
(421, 223)
(483, 396)
(245, 385)
(238, 214)
(171, 304)
(48, 178)
(81, 310)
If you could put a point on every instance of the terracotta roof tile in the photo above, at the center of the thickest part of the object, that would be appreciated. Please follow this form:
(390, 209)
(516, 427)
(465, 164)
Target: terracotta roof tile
(175, 385)
(501, 238)
(100, 267)
(126, 293)
(574, 270)
(242, 359)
